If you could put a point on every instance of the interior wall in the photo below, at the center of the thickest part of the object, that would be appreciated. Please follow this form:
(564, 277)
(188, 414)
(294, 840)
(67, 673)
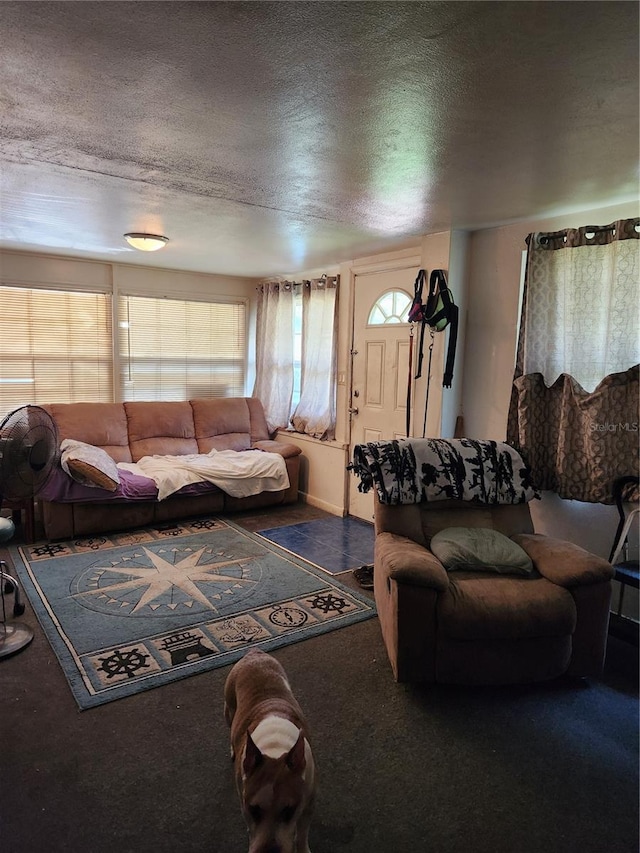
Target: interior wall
(323, 471)
(494, 278)
(452, 398)
(42, 269)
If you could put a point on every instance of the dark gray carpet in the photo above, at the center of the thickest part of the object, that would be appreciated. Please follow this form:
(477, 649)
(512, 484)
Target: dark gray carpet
(539, 769)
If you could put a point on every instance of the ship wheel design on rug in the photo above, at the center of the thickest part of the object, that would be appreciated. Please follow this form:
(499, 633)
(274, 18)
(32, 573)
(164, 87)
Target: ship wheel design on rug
(149, 584)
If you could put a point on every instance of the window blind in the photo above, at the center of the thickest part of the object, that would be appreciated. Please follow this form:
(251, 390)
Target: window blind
(174, 349)
(55, 347)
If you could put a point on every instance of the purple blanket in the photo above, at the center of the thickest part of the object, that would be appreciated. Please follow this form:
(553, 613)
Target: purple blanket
(62, 488)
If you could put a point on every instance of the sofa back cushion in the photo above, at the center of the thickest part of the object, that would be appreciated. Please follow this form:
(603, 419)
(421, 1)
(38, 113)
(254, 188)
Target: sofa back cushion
(259, 428)
(101, 424)
(228, 423)
(129, 431)
(505, 518)
(160, 428)
(422, 521)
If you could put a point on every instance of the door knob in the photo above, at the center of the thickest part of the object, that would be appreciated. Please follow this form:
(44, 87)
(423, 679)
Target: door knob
(353, 411)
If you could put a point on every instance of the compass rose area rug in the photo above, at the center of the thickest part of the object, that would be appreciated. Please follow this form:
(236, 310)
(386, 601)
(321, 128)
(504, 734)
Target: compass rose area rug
(132, 611)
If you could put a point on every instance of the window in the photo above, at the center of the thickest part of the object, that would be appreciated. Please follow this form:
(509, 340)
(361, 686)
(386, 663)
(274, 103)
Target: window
(392, 307)
(173, 349)
(55, 347)
(574, 399)
(296, 354)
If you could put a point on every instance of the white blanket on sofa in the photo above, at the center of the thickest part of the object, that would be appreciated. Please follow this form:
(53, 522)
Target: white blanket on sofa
(238, 473)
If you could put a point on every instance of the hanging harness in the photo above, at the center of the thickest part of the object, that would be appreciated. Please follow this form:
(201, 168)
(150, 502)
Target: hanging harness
(440, 312)
(437, 313)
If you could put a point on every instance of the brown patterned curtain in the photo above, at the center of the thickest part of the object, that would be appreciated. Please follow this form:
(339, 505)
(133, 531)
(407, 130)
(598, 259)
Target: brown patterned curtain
(574, 408)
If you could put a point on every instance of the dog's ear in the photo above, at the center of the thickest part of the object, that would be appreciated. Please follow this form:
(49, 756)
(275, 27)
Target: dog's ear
(295, 757)
(252, 757)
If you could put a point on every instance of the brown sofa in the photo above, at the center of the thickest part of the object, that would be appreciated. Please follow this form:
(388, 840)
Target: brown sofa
(482, 628)
(129, 431)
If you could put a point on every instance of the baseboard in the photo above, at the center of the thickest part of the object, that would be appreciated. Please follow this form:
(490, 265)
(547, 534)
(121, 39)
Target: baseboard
(320, 504)
(624, 629)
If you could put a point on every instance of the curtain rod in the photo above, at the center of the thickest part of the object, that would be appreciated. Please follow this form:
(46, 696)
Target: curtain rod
(589, 231)
(324, 278)
(622, 229)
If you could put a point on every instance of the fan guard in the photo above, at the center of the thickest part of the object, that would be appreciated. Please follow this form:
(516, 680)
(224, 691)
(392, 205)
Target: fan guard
(28, 452)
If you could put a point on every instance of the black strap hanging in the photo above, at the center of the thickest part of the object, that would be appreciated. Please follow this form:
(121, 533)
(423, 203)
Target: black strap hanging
(408, 418)
(440, 312)
(416, 315)
(447, 378)
(416, 311)
(426, 393)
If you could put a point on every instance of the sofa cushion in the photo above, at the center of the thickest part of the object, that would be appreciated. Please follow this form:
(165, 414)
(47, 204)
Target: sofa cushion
(89, 465)
(259, 427)
(222, 423)
(508, 519)
(101, 424)
(160, 428)
(480, 549)
(484, 606)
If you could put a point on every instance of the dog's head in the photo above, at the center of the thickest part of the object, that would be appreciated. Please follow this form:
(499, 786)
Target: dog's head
(273, 796)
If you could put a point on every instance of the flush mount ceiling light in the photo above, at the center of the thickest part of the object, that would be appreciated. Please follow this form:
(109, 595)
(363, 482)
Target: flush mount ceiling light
(146, 242)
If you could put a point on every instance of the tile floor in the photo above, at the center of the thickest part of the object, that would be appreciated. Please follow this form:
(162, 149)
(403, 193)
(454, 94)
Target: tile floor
(333, 544)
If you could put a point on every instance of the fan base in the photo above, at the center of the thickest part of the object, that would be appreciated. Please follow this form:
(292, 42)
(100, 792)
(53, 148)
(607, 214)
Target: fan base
(14, 636)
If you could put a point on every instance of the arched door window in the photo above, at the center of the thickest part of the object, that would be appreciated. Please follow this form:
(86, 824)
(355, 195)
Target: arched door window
(392, 307)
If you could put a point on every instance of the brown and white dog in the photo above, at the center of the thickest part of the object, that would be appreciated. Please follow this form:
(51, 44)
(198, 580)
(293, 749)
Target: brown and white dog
(274, 768)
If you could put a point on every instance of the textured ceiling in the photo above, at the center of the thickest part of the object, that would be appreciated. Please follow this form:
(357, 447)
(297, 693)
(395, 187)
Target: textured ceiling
(268, 137)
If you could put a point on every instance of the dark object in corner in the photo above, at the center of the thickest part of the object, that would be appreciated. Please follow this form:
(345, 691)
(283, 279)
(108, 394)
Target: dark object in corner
(364, 576)
(626, 571)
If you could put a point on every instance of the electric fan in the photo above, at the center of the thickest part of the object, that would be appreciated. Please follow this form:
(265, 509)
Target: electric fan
(28, 454)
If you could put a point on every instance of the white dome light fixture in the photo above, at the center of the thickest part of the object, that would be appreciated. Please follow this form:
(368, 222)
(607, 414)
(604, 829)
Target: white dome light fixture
(146, 242)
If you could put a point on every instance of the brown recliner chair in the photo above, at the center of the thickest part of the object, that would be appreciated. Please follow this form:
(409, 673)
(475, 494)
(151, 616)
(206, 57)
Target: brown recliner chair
(464, 627)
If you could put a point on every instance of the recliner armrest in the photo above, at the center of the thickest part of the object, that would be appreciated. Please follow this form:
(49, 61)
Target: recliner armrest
(406, 561)
(270, 446)
(564, 563)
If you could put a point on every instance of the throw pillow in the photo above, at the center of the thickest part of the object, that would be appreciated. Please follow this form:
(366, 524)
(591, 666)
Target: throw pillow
(480, 549)
(89, 465)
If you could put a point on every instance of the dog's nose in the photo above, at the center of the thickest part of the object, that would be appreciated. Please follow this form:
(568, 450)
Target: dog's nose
(272, 848)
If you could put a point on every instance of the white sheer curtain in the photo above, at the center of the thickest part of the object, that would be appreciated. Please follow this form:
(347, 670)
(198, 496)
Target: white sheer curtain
(274, 352)
(315, 413)
(582, 307)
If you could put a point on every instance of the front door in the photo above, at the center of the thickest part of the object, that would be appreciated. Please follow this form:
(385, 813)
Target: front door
(380, 369)
(380, 366)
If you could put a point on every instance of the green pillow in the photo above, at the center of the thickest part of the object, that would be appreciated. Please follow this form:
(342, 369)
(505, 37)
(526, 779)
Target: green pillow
(480, 549)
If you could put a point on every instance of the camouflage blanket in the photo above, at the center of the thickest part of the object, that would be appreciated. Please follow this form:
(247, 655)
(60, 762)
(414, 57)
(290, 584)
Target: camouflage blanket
(406, 471)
